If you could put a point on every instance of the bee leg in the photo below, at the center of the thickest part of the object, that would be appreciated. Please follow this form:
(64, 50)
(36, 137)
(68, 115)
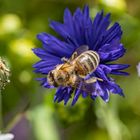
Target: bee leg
(93, 80)
(64, 59)
(99, 79)
(74, 55)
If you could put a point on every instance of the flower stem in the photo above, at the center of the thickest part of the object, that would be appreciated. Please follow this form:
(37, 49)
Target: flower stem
(1, 120)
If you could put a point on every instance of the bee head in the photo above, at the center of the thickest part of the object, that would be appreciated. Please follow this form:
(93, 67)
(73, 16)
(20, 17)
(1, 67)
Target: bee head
(51, 79)
(60, 78)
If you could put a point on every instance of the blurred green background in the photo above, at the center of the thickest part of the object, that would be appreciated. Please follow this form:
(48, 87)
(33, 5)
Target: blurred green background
(28, 109)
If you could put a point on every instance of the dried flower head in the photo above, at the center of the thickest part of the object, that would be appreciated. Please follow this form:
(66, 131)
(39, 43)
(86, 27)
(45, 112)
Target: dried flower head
(78, 30)
(4, 74)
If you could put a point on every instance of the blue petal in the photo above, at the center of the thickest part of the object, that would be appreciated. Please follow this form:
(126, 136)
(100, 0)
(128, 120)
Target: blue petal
(84, 94)
(105, 94)
(105, 97)
(47, 85)
(100, 24)
(43, 63)
(67, 32)
(101, 74)
(105, 68)
(63, 93)
(60, 29)
(93, 97)
(86, 11)
(68, 21)
(120, 73)
(89, 34)
(44, 70)
(44, 83)
(98, 90)
(111, 52)
(114, 68)
(77, 94)
(62, 96)
(111, 34)
(79, 27)
(117, 66)
(59, 94)
(67, 95)
(75, 27)
(41, 79)
(44, 55)
(114, 88)
(72, 41)
(54, 46)
(88, 29)
(101, 90)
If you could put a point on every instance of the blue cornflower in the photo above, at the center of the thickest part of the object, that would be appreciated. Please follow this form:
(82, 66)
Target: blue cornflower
(77, 30)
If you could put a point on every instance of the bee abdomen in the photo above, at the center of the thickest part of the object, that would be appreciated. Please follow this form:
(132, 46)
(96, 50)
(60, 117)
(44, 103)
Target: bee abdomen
(87, 62)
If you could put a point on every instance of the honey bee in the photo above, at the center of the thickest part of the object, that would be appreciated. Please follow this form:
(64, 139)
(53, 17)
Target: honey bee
(75, 69)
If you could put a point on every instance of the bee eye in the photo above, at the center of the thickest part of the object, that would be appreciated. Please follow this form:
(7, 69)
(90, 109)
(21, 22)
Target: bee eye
(60, 79)
(50, 74)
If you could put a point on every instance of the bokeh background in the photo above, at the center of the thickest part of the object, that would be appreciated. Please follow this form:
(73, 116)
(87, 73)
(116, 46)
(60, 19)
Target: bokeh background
(28, 110)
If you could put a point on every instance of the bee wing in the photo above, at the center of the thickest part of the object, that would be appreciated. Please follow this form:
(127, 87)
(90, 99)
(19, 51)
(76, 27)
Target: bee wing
(79, 51)
(87, 87)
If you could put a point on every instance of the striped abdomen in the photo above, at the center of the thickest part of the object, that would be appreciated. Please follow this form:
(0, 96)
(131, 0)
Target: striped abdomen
(87, 62)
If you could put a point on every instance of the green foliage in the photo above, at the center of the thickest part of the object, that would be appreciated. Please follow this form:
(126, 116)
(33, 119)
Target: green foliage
(20, 21)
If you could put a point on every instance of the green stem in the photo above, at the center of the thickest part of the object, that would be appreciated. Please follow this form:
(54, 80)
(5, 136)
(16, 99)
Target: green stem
(1, 120)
